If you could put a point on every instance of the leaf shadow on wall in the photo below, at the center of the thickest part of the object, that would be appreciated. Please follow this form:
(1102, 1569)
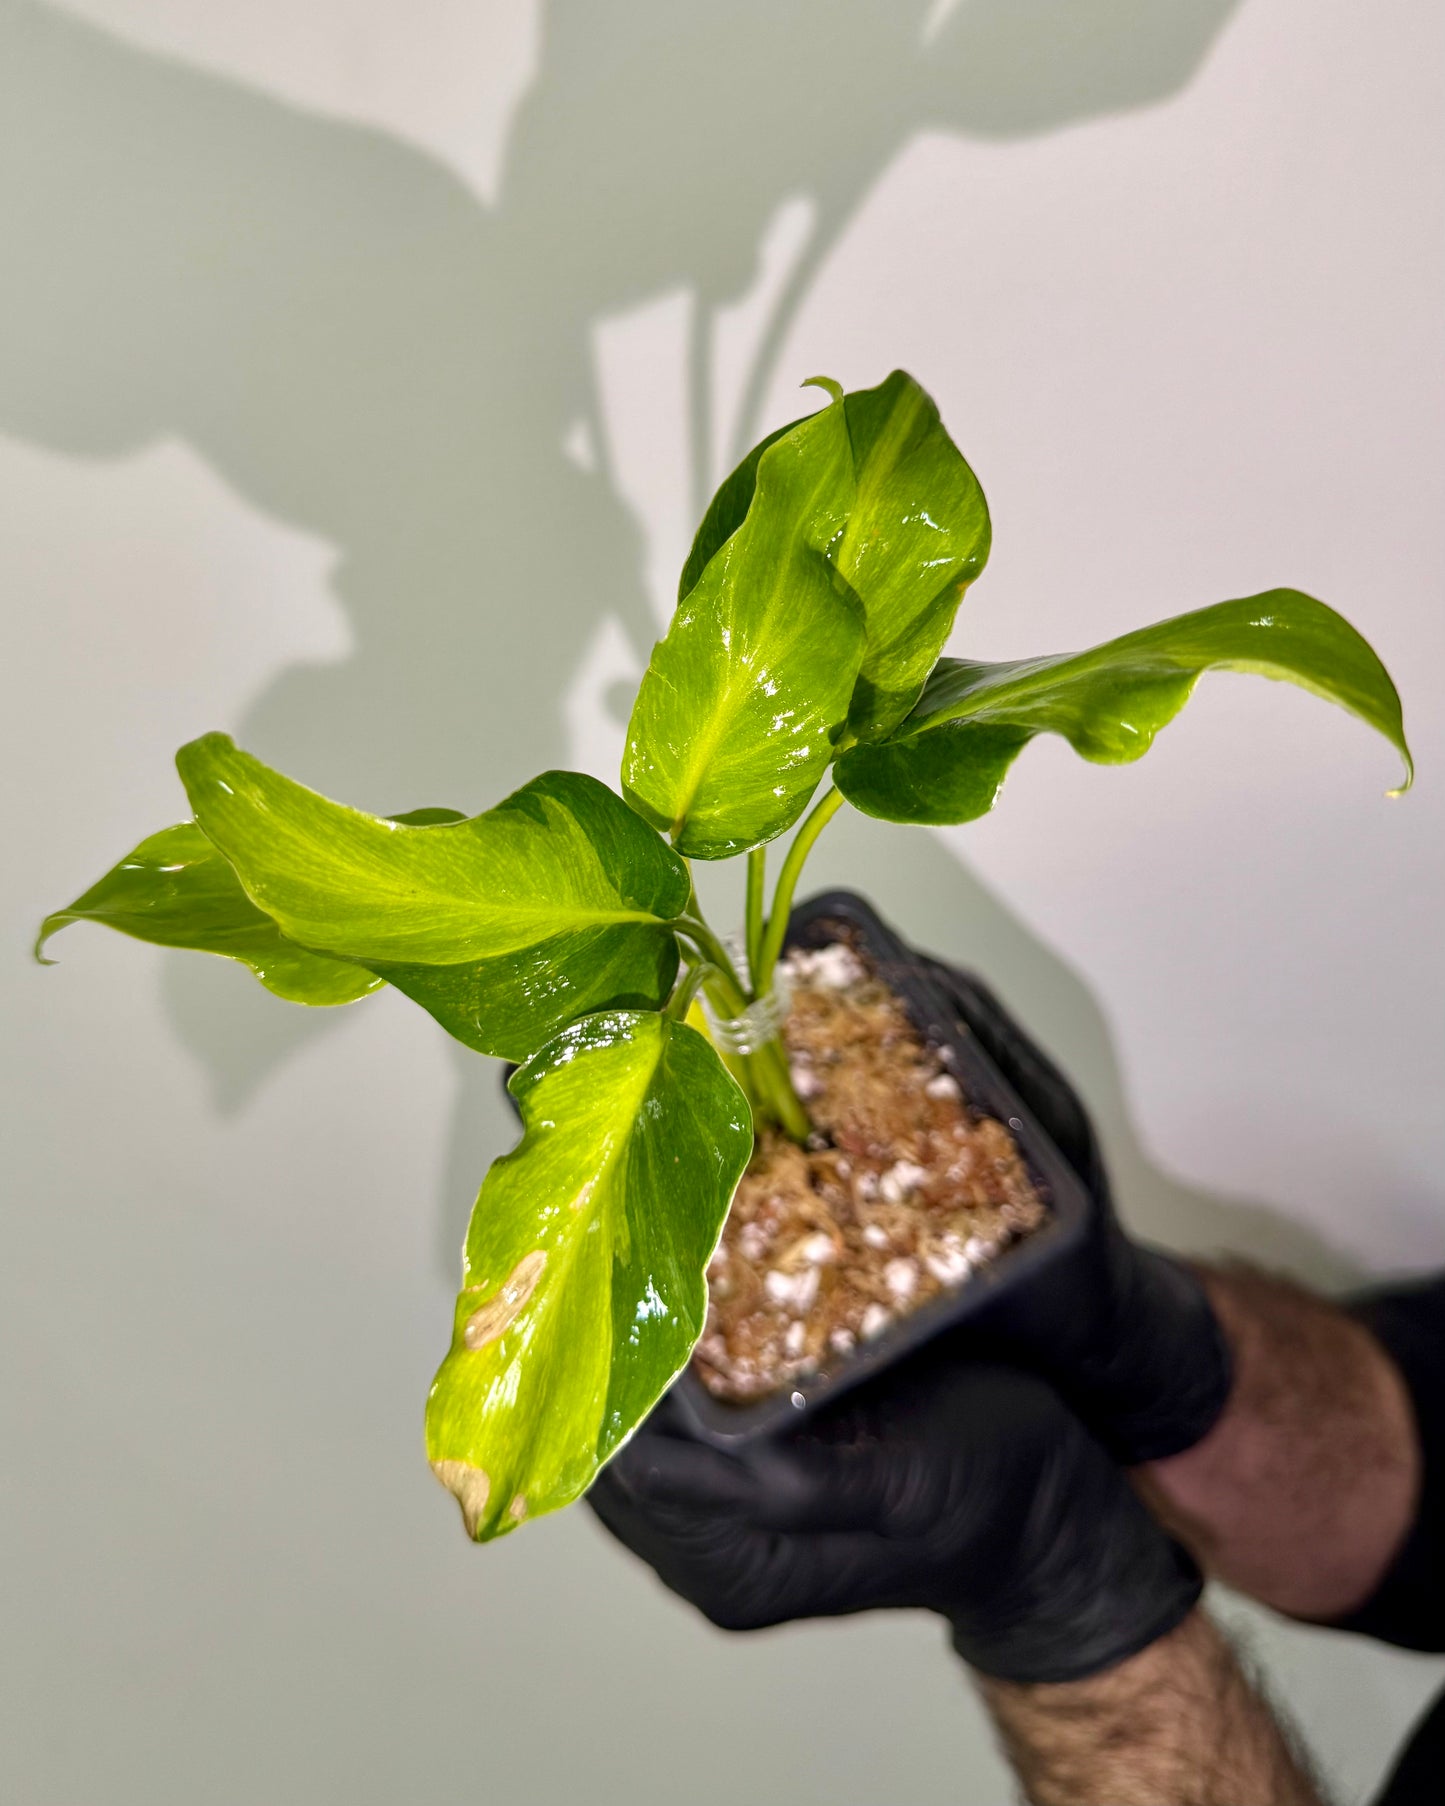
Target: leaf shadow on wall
(363, 348)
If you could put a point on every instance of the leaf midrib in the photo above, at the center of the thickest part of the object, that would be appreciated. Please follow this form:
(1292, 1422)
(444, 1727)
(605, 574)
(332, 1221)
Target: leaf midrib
(384, 886)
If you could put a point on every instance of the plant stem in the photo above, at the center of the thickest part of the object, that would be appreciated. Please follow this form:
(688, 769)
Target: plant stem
(813, 825)
(757, 883)
(686, 988)
(739, 1065)
(711, 948)
(776, 1094)
(767, 1081)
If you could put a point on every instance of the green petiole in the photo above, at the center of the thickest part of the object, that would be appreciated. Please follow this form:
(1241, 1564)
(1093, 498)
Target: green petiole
(803, 843)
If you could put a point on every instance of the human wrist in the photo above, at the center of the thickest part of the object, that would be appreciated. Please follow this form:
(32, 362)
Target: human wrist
(1177, 1721)
(1306, 1486)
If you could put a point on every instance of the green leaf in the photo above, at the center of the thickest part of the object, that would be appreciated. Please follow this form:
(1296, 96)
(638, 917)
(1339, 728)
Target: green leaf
(743, 701)
(511, 1003)
(917, 535)
(504, 926)
(726, 512)
(950, 757)
(583, 1286)
(177, 890)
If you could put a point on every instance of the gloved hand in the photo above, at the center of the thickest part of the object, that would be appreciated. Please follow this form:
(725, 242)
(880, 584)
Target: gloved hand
(1125, 1333)
(971, 1491)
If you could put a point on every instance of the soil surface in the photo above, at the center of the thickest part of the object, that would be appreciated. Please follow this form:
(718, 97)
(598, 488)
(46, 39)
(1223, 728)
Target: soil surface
(906, 1193)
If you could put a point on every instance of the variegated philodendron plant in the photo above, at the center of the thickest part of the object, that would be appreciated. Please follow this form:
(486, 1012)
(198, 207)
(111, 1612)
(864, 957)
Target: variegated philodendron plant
(560, 928)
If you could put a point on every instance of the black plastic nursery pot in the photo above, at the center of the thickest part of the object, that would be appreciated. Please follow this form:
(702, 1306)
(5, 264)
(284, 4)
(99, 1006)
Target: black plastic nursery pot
(987, 1093)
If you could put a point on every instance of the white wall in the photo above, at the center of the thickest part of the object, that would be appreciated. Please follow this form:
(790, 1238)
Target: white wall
(360, 368)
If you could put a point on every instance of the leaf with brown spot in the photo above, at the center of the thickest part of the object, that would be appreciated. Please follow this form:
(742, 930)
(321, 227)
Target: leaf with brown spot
(469, 1486)
(583, 1286)
(494, 1317)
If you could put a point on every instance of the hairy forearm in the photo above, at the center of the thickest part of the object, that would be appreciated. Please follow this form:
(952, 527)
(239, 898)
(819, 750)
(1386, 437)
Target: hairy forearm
(1177, 1723)
(1305, 1488)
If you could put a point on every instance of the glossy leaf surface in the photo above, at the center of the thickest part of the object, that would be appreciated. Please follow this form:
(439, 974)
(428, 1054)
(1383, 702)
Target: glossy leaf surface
(917, 536)
(505, 925)
(176, 890)
(743, 700)
(583, 1286)
(951, 756)
(726, 512)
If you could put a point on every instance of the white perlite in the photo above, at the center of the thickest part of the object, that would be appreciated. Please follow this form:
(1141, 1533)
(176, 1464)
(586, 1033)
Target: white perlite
(901, 1180)
(752, 1241)
(834, 968)
(948, 1263)
(876, 1319)
(901, 1278)
(806, 1082)
(778, 1286)
(794, 1291)
(819, 1249)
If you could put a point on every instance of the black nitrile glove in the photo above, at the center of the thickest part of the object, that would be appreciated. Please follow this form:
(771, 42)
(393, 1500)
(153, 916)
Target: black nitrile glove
(1126, 1333)
(967, 1490)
